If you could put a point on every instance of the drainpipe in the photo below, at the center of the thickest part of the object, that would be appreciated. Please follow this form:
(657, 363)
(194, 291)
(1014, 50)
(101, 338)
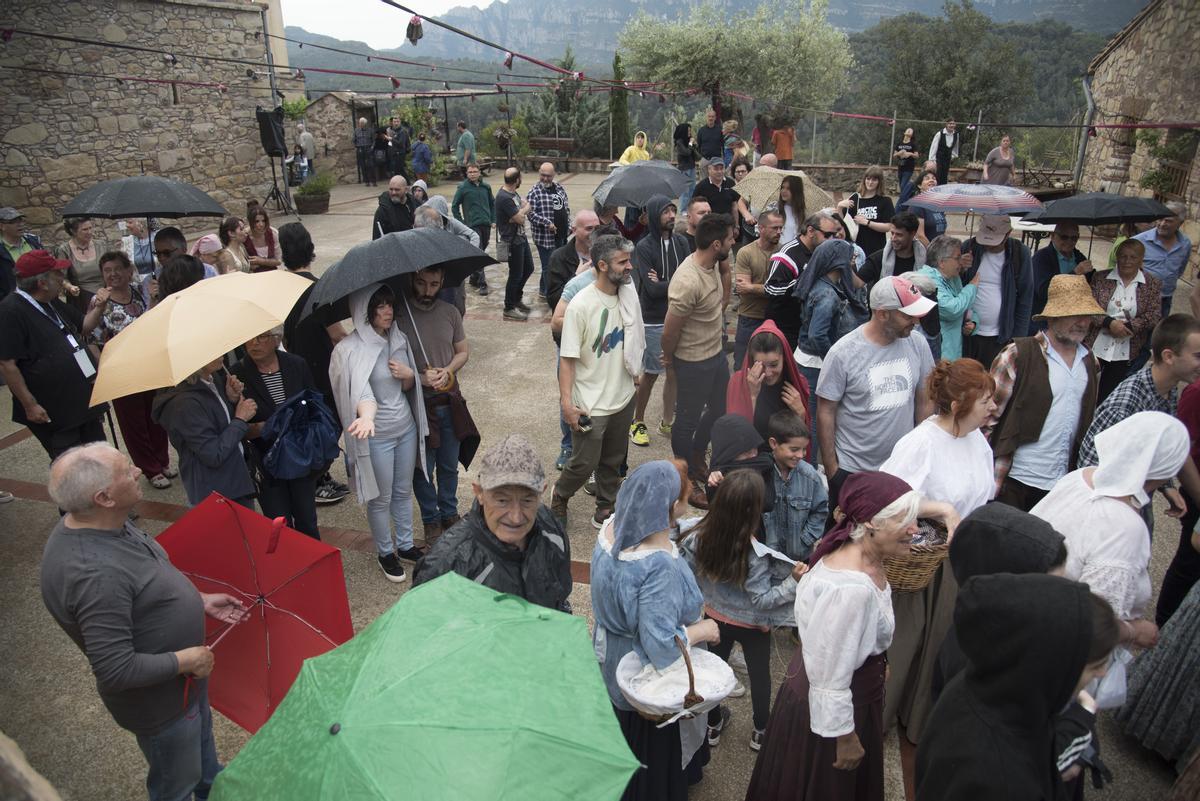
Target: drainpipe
(1088, 118)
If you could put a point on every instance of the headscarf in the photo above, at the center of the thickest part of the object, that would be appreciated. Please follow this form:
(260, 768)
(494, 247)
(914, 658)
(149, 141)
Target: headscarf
(863, 496)
(732, 435)
(209, 243)
(737, 392)
(644, 504)
(1143, 447)
(832, 254)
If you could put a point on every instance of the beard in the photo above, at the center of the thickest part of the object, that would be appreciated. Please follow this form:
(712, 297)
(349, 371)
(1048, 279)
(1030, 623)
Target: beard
(425, 301)
(617, 279)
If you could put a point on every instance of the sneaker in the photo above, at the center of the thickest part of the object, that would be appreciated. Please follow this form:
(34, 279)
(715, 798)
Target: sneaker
(564, 456)
(558, 508)
(756, 739)
(523, 307)
(170, 472)
(393, 571)
(433, 530)
(6, 497)
(483, 290)
(410, 554)
(738, 691)
(638, 435)
(737, 661)
(714, 732)
(600, 517)
(590, 486)
(516, 315)
(664, 428)
(697, 496)
(160, 482)
(331, 492)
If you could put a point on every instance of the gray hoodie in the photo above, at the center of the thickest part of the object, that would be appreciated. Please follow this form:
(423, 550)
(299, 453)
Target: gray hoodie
(663, 256)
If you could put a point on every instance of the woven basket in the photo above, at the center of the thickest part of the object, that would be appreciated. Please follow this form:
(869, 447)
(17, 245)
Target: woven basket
(915, 571)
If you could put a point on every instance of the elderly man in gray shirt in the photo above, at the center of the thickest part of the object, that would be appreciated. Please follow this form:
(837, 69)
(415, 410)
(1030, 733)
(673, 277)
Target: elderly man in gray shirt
(138, 620)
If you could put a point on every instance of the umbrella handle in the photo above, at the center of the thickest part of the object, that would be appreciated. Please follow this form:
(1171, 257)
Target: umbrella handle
(276, 527)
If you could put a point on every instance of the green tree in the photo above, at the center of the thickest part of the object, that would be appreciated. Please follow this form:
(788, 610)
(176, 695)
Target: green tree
(565, 110)
(786, 52)
(618, 107)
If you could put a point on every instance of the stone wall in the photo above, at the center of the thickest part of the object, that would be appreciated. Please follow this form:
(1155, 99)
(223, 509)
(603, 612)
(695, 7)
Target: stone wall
(62, 134)
(1149, 75)
(331, 121)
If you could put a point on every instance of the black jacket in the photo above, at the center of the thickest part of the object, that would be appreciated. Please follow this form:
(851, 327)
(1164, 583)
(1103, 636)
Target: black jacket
(393, 216)
(991, 736)
(564, 263)
(296, 377)
(540, 574)
(1045, 267)
(663, 256)
(207, 440)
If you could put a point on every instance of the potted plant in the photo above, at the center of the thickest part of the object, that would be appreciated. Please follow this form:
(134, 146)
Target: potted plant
(312, 197)
(973, 173)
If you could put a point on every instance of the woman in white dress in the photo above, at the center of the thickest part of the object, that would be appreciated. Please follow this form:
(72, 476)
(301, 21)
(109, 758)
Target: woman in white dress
(1099, 512)
(945, 458)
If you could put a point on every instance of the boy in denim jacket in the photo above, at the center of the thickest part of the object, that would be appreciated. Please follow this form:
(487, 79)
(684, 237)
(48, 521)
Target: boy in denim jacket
(797, 521)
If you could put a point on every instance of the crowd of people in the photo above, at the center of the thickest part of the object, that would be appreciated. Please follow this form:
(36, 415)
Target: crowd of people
(892, 387)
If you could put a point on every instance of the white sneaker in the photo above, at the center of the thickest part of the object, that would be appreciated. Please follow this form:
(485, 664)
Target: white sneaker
(737, 660)
(738, 690)
(6, 496)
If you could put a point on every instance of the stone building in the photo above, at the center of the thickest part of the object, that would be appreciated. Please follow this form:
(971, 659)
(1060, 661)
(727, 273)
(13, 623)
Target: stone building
(1148, 72)
(69, 123)
(331, 119)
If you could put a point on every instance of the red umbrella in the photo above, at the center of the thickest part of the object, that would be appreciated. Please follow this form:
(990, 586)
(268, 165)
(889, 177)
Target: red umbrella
(979, 198)
(293, 586)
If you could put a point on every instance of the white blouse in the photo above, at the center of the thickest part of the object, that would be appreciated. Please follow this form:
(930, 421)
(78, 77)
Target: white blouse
(1108, 546)
(943, 467)
(843, 618)
(1121, 306)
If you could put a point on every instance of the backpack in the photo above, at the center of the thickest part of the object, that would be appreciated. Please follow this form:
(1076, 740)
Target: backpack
(304, 437)
(845, 316)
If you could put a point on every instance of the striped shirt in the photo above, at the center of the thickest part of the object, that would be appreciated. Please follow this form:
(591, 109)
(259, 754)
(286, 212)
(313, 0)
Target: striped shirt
(274, 383)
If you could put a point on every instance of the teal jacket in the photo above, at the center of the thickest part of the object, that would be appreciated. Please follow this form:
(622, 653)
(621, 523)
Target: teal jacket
(473, 204)
(953, 302)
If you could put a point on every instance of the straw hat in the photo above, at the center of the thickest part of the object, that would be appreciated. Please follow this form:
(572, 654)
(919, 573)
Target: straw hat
(1069, 296)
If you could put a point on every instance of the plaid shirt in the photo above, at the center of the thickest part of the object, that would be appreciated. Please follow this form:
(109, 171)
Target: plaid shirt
(543, 203)
(1136, 393)
(363, 137)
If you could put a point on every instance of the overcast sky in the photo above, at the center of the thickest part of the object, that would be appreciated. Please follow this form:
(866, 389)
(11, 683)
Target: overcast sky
(370, 21)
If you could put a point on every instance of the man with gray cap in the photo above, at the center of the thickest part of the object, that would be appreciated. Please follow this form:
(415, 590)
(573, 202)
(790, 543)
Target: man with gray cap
(509, 541)
(16, 244)
(872, 387)
(1004, 298)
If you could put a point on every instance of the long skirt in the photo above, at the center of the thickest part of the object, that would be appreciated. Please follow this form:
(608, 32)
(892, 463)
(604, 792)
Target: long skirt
(663, 778)
(797, 765)
(923, 618)
(1162, 707)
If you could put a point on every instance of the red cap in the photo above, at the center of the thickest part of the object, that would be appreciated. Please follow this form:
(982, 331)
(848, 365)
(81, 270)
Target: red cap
(36, 262)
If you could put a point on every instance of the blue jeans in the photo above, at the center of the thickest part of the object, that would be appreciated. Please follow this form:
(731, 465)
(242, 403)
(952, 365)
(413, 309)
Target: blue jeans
(393, 461)
(182, 757)
(745, 329)
(520, 267)
(686, 197)
(440, 503)
(544, 258)
(812, 375)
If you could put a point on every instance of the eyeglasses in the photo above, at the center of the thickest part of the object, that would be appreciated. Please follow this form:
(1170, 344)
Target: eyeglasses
(267, 337)
(830, 234)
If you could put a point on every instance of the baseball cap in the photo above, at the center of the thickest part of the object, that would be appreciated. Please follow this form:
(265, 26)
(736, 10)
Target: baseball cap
(36, 262)
(512, 462)
(894, 293)
(993, 230)
(8, 214)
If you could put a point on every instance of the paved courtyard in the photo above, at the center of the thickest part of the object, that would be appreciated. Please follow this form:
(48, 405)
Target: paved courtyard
(48, 703)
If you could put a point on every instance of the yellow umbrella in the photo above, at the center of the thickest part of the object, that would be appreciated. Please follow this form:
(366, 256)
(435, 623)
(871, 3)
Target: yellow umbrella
(193, 327)
(761, 187)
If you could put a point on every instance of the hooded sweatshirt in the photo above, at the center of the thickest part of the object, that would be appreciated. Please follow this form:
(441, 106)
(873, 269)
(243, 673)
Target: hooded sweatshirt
(455, 227)
(991, 735)
(733, 435)
(995, 538)
(633, 152)
(737, 392)
(663, 256)
(390, 217)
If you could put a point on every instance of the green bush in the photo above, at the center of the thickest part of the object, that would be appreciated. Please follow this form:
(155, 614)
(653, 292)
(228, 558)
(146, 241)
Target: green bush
(294, 109)
(317, 184)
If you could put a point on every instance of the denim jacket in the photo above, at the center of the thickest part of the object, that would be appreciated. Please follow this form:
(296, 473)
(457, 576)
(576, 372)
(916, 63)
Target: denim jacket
(767, 597)
(801, 508)
(820, 321)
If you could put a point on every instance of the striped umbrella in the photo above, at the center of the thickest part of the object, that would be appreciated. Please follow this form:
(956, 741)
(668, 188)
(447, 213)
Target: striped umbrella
(978, 198)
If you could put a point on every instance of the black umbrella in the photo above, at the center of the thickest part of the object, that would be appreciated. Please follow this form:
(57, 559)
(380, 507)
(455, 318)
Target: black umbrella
(1100, 208)
(143, 196)
(393, 255)
(634, 184)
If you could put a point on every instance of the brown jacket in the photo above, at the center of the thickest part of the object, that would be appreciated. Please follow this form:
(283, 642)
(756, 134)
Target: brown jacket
(1149, 310)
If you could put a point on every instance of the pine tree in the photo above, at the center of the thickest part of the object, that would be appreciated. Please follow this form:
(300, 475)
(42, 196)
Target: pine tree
(618, 108)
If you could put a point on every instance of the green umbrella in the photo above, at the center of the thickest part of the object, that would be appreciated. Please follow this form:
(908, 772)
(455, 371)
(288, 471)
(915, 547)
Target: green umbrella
(456, 692)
